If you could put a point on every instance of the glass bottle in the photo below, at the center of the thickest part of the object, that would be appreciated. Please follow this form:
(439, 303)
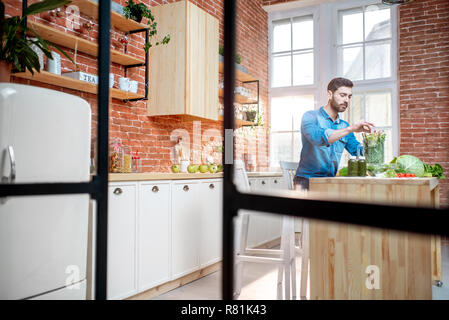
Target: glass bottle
(136, 165)
(115, 157)
(126, 160)
(352, 167)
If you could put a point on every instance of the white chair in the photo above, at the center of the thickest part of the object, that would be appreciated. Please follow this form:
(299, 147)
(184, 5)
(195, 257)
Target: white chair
(284, 257)
(289, 171)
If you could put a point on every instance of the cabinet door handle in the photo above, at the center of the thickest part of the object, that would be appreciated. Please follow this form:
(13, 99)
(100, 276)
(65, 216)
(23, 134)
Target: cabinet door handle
(118, 191)
(186, 188)
(211, 186)
(263, 182)
(155, 189)
(275, 181)
(249, 182)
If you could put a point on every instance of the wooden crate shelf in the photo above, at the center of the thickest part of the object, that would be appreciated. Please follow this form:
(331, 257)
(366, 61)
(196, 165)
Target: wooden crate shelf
(66, 82)
(70, 41)
(118, 21)
(238, 98)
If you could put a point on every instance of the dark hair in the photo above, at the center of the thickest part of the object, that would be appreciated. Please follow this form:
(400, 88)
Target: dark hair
(339, 82)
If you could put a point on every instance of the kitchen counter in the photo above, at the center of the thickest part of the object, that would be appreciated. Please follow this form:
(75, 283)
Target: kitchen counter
(341, 253)
(180, 176)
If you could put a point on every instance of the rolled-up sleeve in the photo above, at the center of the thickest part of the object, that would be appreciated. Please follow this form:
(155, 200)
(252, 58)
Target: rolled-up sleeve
(313, 132)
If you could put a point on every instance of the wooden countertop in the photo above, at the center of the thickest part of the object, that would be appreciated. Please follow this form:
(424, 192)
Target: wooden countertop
(180, 176)
(431, 182)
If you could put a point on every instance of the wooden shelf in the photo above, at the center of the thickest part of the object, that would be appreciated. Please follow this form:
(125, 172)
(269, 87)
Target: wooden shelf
(240, 123)
(238, 98)
(70, 41)
(66, 82)
(118, 21)
(239, 75)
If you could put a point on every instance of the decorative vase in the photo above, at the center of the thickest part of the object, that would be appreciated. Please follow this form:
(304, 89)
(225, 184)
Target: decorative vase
(5, 71)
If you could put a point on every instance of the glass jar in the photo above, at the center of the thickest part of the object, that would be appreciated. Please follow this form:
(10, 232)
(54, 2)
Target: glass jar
(374, 154)
(126, 160)
(115, 157)
(361, 166)
(136, 164)
(352, 167)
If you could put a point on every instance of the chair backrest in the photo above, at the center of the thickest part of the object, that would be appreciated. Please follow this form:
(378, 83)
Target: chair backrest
(289, 171)
(240, 176)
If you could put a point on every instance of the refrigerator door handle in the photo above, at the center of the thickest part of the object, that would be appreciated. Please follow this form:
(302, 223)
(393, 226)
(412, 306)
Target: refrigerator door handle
(12, 160)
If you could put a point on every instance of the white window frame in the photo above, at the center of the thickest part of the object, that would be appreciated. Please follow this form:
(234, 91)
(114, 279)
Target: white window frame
(325, 17)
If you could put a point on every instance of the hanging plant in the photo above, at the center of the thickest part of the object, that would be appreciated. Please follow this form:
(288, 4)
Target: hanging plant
(138, 11)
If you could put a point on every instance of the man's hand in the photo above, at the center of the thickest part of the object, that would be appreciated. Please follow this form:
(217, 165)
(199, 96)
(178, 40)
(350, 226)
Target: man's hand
(362, 126)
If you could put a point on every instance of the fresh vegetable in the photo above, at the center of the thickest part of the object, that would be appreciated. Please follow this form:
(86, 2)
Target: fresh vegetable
(405, 175)
(343, 172)
(373, 144)
(434, 171)
(411, 164)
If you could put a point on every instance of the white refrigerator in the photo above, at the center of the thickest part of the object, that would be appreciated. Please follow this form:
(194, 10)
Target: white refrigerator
(44, 137)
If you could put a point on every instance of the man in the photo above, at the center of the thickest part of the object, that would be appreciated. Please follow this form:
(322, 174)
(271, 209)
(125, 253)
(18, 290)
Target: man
(324, 135)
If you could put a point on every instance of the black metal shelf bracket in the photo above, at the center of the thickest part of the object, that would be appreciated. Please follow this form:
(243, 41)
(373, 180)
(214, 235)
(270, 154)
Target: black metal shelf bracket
(146, 64)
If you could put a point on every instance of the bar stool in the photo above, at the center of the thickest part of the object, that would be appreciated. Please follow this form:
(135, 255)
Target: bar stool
(283, 257)
(289, 171)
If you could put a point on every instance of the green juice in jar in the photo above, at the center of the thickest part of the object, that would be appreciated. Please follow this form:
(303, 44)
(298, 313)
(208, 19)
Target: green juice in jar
(352, 167)
(361, 167)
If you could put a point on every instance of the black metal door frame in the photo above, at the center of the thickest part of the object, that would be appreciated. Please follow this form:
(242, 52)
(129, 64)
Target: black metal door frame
(429, 221)
(420, 220)
(98, 187)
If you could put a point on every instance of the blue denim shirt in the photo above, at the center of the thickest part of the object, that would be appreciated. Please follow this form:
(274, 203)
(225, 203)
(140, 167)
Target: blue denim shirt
(319, 158)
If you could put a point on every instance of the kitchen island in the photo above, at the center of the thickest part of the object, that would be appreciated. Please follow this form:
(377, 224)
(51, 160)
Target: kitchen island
(342, 255)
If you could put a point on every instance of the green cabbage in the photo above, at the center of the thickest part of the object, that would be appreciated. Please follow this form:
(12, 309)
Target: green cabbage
(411, 164)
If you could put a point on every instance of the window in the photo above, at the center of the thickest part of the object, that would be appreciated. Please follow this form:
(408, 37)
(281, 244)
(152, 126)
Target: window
(311, 45)
(364, 42)
(285, 135)
(292, 53)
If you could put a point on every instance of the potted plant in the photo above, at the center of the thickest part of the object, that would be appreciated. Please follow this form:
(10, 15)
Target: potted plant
(16, 51)
(251, 114)
(238, 57)
(138, 11)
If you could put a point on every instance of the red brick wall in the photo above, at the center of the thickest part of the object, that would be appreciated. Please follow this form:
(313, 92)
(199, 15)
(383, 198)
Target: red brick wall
(424, 84)
(129, 122)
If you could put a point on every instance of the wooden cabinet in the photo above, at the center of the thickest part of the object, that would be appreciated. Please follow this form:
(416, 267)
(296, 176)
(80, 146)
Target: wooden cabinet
(154, 235)
(184, 73)
(121, 278)
(211, 194)
(186, 222)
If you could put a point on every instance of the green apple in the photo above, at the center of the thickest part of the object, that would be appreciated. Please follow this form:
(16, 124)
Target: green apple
(192, 168)
(175, 168)
(213, 168)
(220, 168)
(204, 168)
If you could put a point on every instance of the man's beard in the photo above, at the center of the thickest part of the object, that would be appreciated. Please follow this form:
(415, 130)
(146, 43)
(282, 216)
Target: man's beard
(338, 107)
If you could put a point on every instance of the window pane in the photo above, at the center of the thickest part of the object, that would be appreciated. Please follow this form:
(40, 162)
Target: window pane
(286, 112)
(388, 147)
(351, 22)
(303, 69)
(378, 108)
(281, 70)
(281, 35)
(378, 64)
(280, 148)
(377, 23)
(352, 61)
(297, 146)
(355, 113)
(302, 33)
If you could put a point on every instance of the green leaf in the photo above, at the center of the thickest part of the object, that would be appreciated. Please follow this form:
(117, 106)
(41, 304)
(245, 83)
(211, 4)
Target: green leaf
(45, 5)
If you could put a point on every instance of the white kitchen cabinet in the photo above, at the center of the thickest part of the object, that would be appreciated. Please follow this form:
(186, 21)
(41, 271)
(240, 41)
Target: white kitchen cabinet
(186, 222)
(154, 236)
(121, 277)
(211, 194)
